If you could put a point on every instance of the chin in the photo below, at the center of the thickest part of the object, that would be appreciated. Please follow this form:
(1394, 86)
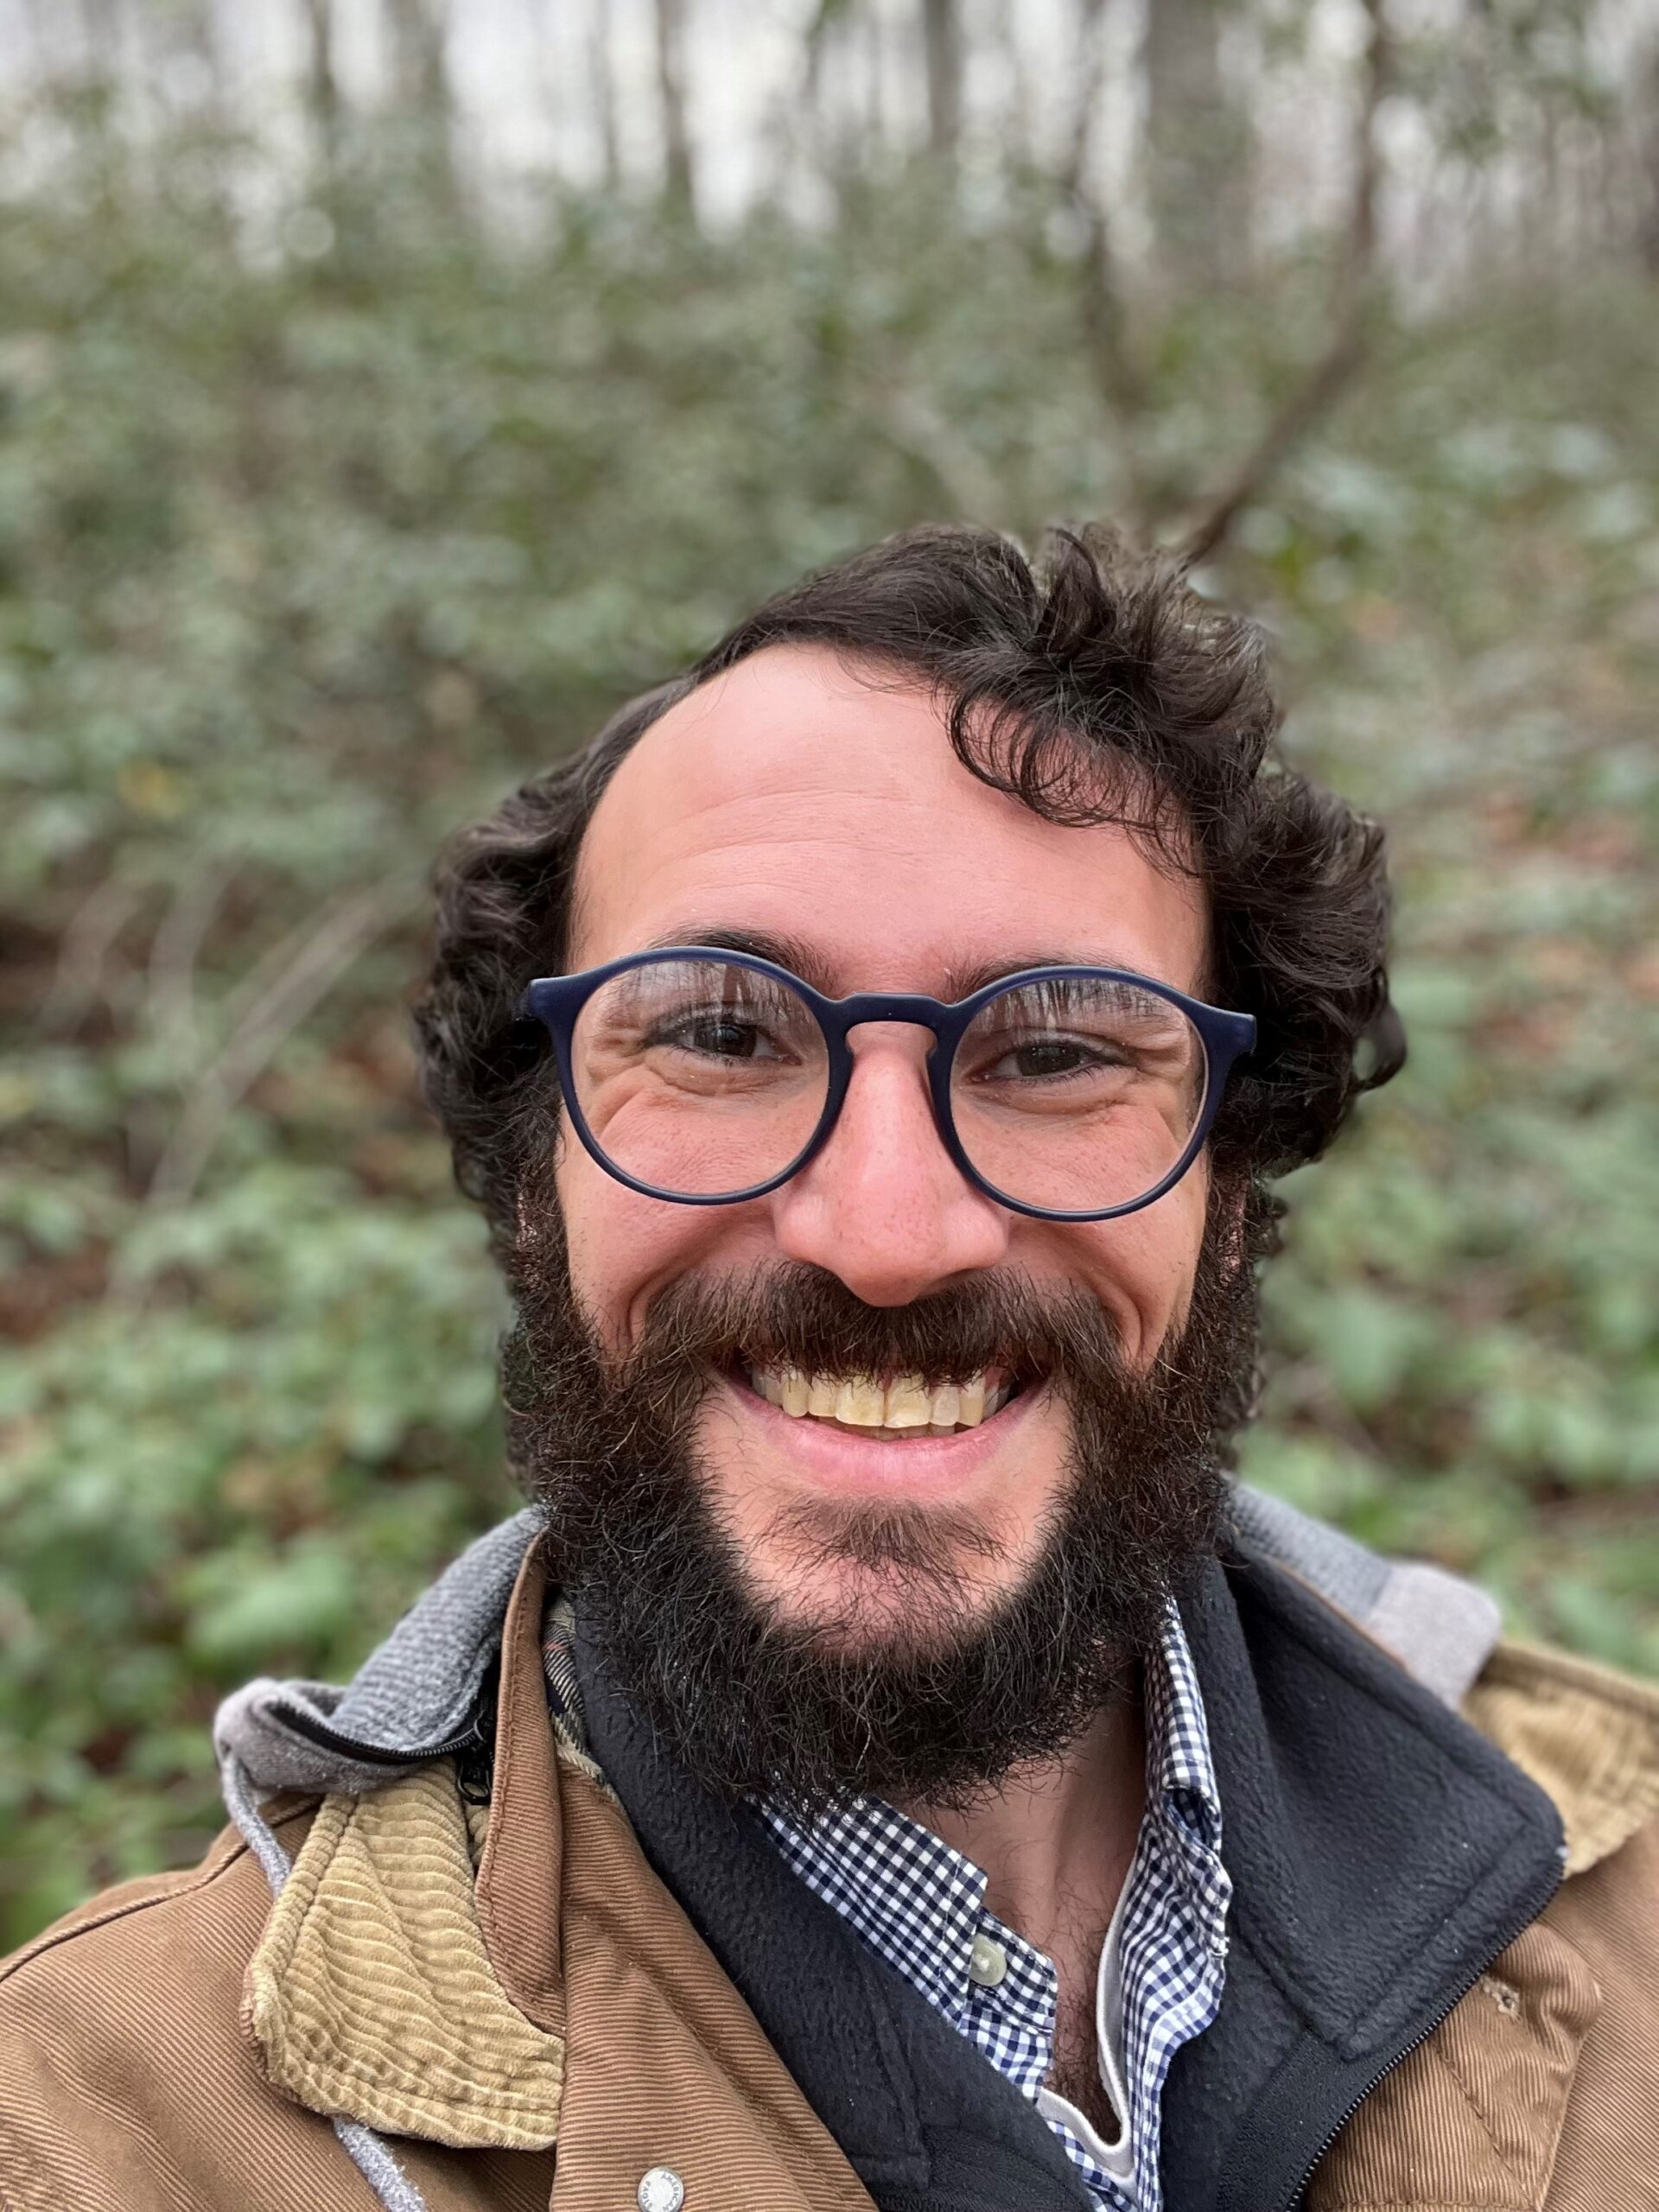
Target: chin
(865, 1607)
(864, 1618)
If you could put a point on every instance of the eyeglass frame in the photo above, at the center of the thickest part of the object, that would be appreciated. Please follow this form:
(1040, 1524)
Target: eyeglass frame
(556, 1001)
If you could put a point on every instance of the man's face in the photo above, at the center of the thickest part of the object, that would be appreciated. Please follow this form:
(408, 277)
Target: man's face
(810, 808)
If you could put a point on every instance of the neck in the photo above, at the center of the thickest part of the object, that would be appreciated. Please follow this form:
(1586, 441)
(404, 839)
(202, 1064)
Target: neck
(1056, 1840)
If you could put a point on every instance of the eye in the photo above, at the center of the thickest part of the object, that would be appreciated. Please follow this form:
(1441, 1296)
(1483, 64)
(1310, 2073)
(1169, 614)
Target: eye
(716, 1036)
(1051, 1056)
(1048, 1058)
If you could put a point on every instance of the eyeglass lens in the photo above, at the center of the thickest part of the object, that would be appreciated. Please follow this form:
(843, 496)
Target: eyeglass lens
(703, 1077)
(1078, 1093)
(699, 1077)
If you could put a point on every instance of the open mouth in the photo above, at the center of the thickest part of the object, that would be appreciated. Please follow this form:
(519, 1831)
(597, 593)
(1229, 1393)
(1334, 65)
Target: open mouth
(900, 1407)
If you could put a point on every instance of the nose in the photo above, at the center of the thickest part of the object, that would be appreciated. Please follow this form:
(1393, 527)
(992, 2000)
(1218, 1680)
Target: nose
(883, 1205)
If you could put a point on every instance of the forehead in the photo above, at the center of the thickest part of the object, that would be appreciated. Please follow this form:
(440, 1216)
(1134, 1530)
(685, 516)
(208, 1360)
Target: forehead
(799, 796)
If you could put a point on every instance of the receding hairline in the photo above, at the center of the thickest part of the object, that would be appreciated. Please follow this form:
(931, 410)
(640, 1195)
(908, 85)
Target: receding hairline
(1172, 849)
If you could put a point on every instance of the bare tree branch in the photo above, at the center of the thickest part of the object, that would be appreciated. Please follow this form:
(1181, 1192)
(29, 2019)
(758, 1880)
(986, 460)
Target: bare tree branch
(1345, 349)
(86, 946)
(916, 429)
(348, 926)
(174, 951)
(1310, 399)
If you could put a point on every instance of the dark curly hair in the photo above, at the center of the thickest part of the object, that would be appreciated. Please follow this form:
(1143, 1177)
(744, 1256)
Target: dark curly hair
(1092, 684)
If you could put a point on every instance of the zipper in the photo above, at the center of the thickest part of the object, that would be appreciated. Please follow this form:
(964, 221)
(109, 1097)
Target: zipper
(1439, 2021)
(352, 1747)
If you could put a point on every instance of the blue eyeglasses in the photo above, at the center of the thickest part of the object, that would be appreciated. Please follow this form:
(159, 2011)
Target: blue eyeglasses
(705, 1077)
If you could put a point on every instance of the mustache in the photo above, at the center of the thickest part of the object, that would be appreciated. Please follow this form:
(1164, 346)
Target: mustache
(790, 1313)
(941, 1698)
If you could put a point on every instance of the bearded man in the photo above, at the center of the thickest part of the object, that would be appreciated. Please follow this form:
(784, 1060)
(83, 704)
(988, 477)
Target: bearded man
(889, 1763)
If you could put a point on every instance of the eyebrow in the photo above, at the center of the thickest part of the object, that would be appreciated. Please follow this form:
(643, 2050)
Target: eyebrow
(791, 952)
(794, 953)
(964, 981)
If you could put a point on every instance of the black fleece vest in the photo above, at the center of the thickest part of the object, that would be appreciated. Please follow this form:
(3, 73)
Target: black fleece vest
(1382, 1852)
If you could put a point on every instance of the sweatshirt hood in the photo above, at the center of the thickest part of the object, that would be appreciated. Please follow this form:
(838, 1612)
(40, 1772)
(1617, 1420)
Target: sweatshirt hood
(417, 1697)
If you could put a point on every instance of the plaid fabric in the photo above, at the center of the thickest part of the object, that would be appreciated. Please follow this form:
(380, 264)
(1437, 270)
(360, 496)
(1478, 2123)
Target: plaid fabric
(921, 1906)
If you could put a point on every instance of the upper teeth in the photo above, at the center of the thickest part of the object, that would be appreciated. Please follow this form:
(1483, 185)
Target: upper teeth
(861, 1402)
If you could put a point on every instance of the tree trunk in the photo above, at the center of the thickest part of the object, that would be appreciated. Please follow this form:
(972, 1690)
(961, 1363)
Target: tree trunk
(942, 55)
(602, 77)
(1016, 124)
(1196, 147)
(419, 31)
(1089, 67)
(671, 91)
(321, 85)
(1647, 230)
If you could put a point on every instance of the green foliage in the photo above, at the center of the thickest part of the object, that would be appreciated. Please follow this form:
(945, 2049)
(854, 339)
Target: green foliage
(306, 554)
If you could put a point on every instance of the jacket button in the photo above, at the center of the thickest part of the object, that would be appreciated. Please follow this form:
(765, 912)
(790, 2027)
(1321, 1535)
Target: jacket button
(660, 2191)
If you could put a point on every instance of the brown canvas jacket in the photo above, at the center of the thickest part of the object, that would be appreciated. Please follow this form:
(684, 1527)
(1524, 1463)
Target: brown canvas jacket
(524, 2016)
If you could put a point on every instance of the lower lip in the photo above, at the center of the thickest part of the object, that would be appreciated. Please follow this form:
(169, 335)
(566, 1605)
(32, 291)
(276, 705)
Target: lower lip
(835, 1458)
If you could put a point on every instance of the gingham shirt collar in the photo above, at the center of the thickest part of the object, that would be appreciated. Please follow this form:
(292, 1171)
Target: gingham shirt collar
(921, 1906)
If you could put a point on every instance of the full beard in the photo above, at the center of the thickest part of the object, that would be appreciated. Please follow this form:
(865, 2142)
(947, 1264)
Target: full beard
(937, 1693)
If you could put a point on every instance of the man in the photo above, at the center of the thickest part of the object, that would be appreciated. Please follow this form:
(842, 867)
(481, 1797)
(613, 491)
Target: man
(888, 1764)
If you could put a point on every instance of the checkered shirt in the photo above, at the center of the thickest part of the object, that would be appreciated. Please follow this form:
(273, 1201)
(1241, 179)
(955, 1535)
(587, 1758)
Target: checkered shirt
(920, 1905)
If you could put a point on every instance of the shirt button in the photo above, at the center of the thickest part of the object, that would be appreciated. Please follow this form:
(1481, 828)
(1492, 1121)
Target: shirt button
(660, 2191)
(987, 1962)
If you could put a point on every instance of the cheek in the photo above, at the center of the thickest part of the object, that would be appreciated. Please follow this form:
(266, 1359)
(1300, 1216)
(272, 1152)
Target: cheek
(612, 1236)
(1141, 1267)
(625, 1248)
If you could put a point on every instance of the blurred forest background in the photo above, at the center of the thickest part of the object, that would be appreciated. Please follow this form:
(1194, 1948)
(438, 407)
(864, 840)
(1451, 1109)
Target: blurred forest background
(387, 387)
